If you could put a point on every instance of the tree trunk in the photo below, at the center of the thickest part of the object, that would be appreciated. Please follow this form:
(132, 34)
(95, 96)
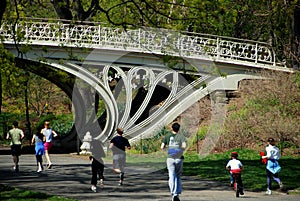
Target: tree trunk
(0, 92)
(2, 9)
(28, 127)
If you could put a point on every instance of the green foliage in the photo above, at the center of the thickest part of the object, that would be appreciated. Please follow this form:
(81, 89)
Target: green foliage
(266, 20)
(152, 144)
(201, 134)
(62, 124)
(6, 122)
(254, 174)
(12, 194)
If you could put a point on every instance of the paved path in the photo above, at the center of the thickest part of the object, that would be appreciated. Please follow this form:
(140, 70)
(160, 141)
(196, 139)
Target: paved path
(70, 177)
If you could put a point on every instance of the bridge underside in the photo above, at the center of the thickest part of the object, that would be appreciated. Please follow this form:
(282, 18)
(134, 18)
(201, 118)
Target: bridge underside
(138, 92)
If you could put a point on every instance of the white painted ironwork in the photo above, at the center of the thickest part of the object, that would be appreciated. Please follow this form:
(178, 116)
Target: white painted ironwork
(127, 81)
(146, 40)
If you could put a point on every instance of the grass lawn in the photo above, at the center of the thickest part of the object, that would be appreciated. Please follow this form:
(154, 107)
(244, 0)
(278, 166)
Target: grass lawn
(213, 167)
(12, 194)
(254, 174)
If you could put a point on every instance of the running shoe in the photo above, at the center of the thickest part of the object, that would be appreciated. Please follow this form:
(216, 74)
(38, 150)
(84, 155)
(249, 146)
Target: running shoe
(268, 192)
(94, 189)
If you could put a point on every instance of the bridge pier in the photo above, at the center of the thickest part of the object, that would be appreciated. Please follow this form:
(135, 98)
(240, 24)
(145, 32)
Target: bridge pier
(110, 67)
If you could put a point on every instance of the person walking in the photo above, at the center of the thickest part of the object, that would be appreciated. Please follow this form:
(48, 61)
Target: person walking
(176, 143)
(97, 164)
(38, 139)
(272, 166)
(118, 144)
(16, 136)
(49, 134)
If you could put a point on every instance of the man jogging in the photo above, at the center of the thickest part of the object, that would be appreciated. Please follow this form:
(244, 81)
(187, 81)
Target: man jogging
(118, 145)
(15, 135)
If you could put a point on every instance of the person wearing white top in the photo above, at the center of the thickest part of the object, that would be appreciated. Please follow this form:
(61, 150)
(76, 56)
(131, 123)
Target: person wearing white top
(273, 155)
(235, 166)
(49, 134)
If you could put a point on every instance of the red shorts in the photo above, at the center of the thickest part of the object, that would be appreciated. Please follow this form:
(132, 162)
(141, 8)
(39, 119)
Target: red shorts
(47, 145)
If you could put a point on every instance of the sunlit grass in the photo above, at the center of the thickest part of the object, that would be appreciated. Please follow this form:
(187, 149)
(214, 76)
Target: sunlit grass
(254, 175)
(12, 194)
(213, 167)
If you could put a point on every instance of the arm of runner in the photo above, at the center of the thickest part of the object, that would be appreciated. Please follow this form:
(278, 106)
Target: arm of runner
(162, 146)
(54, 133)
(32, 140)
(22, 135)
(183, 145)
(7, 136)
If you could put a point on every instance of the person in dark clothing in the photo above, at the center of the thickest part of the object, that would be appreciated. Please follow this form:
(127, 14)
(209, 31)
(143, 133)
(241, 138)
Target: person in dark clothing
(118, 145)
(97, 164)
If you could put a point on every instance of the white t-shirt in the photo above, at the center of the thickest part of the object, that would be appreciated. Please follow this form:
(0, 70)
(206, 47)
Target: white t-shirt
(234, 164)
(272, 152)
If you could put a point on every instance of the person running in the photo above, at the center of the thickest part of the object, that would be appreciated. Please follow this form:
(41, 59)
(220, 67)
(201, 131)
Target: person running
(97, 164)
(176, 143)
(38, 139)
(16, 136)
(235, 167)
(272, 166)
(118, 144)
(49, 134)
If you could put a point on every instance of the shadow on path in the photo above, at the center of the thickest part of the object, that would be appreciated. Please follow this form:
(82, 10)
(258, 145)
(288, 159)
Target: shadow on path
(70, 177)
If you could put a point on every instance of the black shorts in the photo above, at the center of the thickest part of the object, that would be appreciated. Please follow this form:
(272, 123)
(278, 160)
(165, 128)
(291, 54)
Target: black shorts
(16, 150)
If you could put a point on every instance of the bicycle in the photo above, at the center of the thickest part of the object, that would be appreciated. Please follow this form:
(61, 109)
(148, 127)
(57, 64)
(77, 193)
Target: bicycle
(236, 187)
(235, 184)
(235, 168)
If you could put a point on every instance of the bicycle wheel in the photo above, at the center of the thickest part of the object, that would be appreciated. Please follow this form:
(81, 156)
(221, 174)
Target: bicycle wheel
(237, 191)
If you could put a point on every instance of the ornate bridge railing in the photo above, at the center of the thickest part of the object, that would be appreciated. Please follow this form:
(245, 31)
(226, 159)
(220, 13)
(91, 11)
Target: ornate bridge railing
(147, 40)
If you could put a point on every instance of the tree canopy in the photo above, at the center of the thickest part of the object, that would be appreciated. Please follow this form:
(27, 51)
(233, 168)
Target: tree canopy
(272, 21)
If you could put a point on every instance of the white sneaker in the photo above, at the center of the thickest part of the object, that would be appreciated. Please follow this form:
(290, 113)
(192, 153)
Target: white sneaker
(94, 189)
(16, 168)
(281, 185)
(268, 192)
(100, 182)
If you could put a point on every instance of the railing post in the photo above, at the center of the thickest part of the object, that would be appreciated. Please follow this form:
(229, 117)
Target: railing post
(256, 53)
(99, 34)
(179, 43)
(26, 32)
(218, 48)
(67, 30)
(139, 38)
(105, 36)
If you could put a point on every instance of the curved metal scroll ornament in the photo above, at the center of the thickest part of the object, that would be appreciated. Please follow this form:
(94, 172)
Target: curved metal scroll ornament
(83, 99)
(119, 85)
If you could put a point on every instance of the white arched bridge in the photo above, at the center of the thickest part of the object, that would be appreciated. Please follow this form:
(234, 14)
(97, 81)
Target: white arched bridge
(144, 78)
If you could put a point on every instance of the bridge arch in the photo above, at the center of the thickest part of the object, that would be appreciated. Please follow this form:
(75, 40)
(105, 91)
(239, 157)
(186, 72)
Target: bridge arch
(96, 51)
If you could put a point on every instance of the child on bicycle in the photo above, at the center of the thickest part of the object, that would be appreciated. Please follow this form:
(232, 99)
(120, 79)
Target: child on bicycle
(235, 167)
